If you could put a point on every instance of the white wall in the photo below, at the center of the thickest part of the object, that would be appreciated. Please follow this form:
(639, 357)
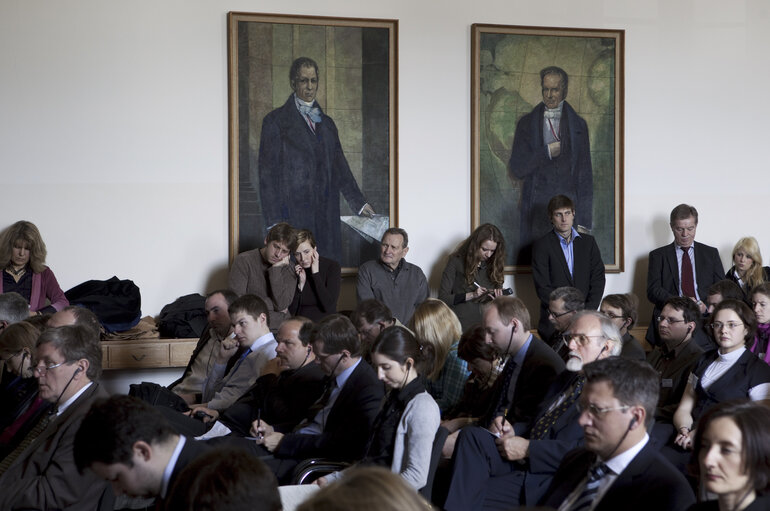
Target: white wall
(113, 127)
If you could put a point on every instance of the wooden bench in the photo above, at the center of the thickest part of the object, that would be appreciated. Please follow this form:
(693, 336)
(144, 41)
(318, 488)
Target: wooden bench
(147, 353)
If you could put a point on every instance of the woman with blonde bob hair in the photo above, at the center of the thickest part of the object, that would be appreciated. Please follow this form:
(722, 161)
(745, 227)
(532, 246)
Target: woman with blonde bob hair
(22, 254)
(436, 324)
(370, 488)
(747, 270)
(474, 274)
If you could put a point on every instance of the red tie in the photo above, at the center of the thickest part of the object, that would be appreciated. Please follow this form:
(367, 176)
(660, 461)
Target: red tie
(688, 286)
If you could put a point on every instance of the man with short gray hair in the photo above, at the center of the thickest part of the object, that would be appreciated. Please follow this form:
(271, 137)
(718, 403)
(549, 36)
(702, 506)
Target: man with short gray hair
(400, 285)
(13, 308)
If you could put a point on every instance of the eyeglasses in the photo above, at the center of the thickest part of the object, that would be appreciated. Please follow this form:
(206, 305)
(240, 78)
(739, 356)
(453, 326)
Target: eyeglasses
(558, 314)
(580, 339)
(613, 316)
(671, 321)
(730, 325)
(44, 369)
(595, 411)
(6, 358)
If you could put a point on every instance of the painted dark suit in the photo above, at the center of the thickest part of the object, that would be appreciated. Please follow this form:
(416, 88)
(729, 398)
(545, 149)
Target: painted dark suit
(301, 175)
(569, 174)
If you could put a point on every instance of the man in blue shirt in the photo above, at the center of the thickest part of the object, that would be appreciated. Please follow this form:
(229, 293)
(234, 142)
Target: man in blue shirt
(564, 257)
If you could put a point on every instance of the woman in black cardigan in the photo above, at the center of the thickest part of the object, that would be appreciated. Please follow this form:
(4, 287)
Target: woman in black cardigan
(318, 280)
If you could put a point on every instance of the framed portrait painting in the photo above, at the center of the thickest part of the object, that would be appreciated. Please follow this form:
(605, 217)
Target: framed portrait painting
(547, 120)
(313, 131)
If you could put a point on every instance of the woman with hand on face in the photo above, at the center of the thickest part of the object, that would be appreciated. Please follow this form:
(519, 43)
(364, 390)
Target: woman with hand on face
(730, 372)
(404, 429)
(733, 457)
(318, 280)
(474, 274)
(760, 300)
(747, 270)
(22, 252)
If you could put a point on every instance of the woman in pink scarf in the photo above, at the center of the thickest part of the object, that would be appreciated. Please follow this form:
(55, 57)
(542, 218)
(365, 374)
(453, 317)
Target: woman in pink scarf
(760, 299)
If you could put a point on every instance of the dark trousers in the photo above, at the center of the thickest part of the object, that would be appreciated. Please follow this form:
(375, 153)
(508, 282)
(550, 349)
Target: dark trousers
(481, 478)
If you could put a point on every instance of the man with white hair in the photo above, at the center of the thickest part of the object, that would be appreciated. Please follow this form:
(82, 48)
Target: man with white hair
(500, 472)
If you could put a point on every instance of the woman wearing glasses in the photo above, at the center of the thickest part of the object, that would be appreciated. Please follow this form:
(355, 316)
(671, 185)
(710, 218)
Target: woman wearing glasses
(733, 457)
(621, 309)
(730, 372)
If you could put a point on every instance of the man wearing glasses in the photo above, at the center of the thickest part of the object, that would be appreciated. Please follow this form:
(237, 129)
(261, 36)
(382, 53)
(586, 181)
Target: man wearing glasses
(501, 472)
(41, 472)
(618, 467)
(675, 358)
(563, 304)
(683, 268)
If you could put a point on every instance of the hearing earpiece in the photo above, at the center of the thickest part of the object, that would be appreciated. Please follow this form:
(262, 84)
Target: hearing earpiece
(309, 349)
(77, 371)
(689, 329)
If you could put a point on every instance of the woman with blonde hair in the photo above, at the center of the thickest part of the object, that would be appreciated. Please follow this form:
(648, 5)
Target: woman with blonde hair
(22, 254)
(747, 270)
(436, 324)
(474, 274)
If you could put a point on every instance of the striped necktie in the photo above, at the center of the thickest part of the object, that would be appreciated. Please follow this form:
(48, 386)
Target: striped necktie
(586, 498)
(45, 419)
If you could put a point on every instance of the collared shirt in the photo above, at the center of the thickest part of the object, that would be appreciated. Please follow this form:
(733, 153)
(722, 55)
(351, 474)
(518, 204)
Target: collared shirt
(518, 359)
(568, 249)
(261, 341)
(298, 103)
(63, 406)
(393, 271)
(617, 464)
(679, 254)
(319, 421)
(551, 124)
(170, 466)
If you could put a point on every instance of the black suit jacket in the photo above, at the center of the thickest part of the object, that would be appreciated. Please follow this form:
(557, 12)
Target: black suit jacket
(648, 482)
(550, 270)
(540, 368)
(663, 277)
(192, 449)
(348, 425)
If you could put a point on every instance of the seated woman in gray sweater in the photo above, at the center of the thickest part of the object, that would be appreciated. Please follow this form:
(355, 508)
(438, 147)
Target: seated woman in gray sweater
(403, 431)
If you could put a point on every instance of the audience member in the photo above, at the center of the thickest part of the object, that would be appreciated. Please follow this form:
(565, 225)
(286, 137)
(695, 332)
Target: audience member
(670, 274)
(502, 470)
(190, 385)
(370, 318)
(747, 270)
(618, 468)
(733, 457)
(436, 325)
(13, 308)
(40, 472)
(724, 289)
(127, 442)
(400, 285)
(248, 316)
(727, 373)
(404, 429)
(22, 254)
(318, 280)
(484, 364)
(370, 488)
(225, 479)
(266, 272)
(675, 358)
(621, 309)
(565, 257)
(76, 315)
(338, 424)
(20, 405)
(760, 298)
(474, 274)
(564, 302)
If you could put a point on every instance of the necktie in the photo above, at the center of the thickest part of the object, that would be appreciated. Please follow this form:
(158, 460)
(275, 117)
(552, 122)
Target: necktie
(587, 496)
(26, 441)
(240, 361)
(502, 399)
(549, 419)
(319, 405)
(688, 285)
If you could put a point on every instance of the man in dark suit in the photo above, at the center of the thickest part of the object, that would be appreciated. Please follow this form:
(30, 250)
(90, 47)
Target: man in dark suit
(492, 471)
(40, 473)
(618, 468)
(302, 168)
(564, 257)
(551, 155)
(670, 273)
(338, 424)
(127, 442)
(530, 368)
